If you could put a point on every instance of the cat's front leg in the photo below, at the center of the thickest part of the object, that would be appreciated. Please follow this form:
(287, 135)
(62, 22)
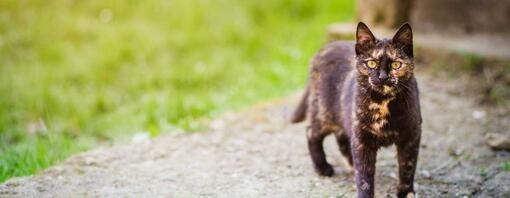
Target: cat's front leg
(315, 138)
(364, 156)
(407, 152)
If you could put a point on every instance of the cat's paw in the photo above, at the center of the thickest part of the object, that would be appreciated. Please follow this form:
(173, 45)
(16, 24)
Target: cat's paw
(407, 195)
(325, 170)
(406, 191)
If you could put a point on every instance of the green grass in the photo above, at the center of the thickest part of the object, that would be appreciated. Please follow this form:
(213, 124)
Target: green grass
(505, 166)
(75, 74)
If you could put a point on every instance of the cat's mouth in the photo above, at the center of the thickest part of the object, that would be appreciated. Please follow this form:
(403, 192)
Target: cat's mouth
(385, 88)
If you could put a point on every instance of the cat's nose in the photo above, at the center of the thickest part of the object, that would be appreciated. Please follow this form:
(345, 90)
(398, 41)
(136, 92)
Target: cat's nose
(383, 77)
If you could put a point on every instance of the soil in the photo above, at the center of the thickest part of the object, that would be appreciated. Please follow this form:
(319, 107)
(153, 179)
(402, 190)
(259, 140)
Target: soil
(257, 153)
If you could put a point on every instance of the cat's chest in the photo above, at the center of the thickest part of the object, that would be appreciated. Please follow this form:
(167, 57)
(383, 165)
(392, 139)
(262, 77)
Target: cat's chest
(374, 117)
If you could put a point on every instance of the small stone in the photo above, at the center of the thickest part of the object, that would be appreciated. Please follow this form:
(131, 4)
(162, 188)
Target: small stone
(455, 151)
(393, 175)
(425, 173)
(498, 141)
(478, 114)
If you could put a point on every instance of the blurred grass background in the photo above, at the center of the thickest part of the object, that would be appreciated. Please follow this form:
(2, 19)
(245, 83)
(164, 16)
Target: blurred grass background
(75, 74)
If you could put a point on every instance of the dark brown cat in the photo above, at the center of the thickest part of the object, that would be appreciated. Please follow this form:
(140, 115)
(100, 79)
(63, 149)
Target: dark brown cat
(366, 94)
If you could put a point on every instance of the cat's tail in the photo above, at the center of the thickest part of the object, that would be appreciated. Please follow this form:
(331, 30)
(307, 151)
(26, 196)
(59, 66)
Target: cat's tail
(300, 112)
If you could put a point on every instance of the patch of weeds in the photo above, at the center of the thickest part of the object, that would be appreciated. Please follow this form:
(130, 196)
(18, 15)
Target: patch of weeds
(483, 171)
(472, 63)
(498, 93)
(505, 166)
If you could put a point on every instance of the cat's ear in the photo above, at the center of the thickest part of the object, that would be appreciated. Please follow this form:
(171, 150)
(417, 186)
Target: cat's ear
(404, 38)
(364, 35)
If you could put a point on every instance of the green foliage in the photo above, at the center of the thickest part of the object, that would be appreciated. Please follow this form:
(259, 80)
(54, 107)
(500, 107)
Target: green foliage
(484, 171)
(77, 73)
(506, 166)
(473, 62)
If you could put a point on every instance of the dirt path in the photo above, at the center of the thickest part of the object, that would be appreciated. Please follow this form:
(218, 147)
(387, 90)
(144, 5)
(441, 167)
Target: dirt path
(255, 153)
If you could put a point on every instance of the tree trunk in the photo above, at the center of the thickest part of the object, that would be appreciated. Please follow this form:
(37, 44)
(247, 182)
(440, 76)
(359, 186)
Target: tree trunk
(386, 13)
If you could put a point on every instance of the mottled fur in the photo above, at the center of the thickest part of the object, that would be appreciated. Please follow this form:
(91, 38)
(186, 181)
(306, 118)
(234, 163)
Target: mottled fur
(366, 108)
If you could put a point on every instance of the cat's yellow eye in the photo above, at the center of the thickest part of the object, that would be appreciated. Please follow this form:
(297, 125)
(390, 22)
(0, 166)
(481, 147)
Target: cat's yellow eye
(396, 65)
(372, 64)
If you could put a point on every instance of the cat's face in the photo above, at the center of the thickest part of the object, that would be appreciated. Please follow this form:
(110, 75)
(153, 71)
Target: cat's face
(385, 64)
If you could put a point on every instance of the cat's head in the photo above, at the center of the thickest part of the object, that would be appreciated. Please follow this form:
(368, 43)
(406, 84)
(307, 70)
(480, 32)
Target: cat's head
(386, 64)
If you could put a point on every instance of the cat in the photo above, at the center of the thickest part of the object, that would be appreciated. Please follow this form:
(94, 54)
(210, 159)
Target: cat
(366, 94)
